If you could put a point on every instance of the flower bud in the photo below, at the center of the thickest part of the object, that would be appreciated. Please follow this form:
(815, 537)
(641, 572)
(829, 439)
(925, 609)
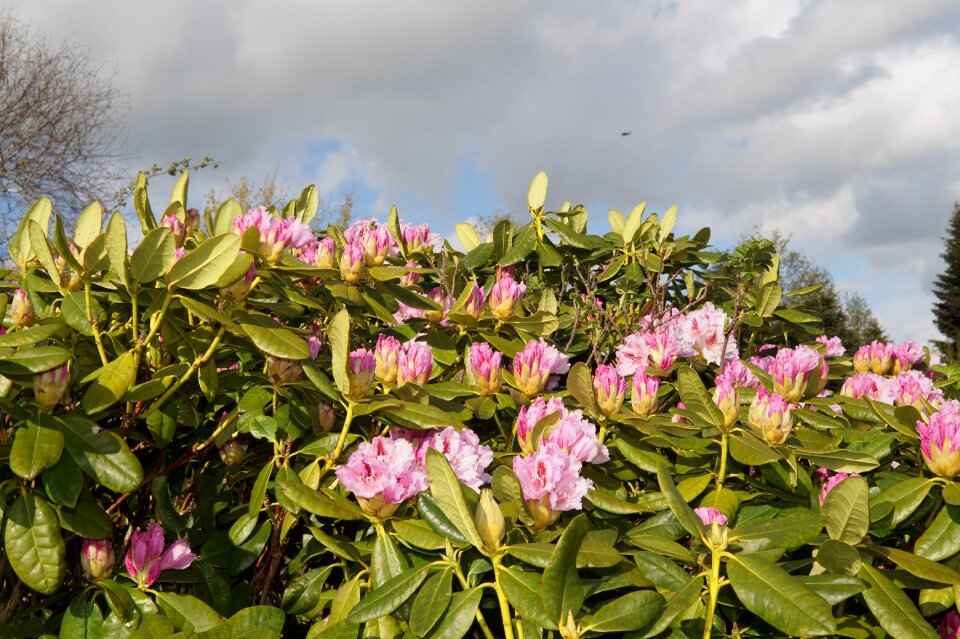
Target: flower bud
(351, 263)
(643, 398)
(772, 416)
(191, 220)
(414, 364)
(50, 386)
(326, 255)
(70, 280)
(157, 355)
(438, 316)
(484, 369)
(97, 559)
(377, 506)
(387, 350)
(239, 289)
(798, 373)
(876, 357)
(609, 388)
(234, 450)
(476, 301)
(726, 399)
(541, 513)
(22, 309)
(504, 296)
(376, 245)
(940, 443)
(326, 417)
(410, 277)
(282, 371)
(538, 367)
(360, 371)
(176, 227)
(489, 520)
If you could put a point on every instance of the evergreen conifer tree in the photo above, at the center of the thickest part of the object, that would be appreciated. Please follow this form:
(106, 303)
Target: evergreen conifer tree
(946, 288)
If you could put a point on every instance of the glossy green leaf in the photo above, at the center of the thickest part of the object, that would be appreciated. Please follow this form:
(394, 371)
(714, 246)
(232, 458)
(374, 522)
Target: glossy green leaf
(33, 360)
(187, 612)
(459, 616)
(448, 493)
(388, 597)
(116, 244)
(431, 602)
(919, 566)
(675, 501)
(696, 399)
(101, 454)
(204, 265)
(277, 341)
(839, 557)
(322, 504)
(681, 600)
(88, 519)
(82, 619)
(73, 309)
(942, 538)
(338, 339)
(524, 594)
(437, 520)
(33, 543)
(846, 511)
(255, 622)
(632, 611)
(153, 256)
(560, 585)
(905, 497)
(109, 383)
(35, 446)
(893, 608)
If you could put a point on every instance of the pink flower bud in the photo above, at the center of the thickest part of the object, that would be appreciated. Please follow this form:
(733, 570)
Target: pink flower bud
(476, 301)
(176, 227)
(906, 355)
(361, 370)
(504, 296)
(876, 357)
(949, 627)
(438, 317)
(711, 516)
(352, 263)
(643, 399)
(191, 220)
(282, 371)
(772, 415)
(725, 397)
(538, 367)
(313, 343)
(377, 244)
(530, 415)
(418, 238)
(484, 369)
(798, 373)
(22, 309)
(387, 351)
(940, 443)
(50, 386)
(145, 559)
(414, 364)
(834, 347)
(326, 417)
(610, 388)
(239, 289)
(97, 559)
(410, 277)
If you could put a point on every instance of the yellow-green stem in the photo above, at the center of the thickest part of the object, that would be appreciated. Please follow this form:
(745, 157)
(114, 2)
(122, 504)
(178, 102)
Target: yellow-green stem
(197, 363)
(224, 424)
(94, 324)
(714, 585)
(341, 440)
(168, 297)
(505, 615)
(724, 445)
(466, 586)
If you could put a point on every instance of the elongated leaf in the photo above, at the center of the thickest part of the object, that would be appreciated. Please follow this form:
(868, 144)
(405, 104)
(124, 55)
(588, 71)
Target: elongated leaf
(560, 585)
(781, 600)
(255, 622)
(919, 566)
(682, 599)
(632, 223)
(788, 531)
(942, 538)
(592, 554)
(388, 597)
(846, 510)
(33, 543)
(460, 615)
(437, 520)
(33, 360)
(580, 385)
(318, 503)
(204, 265)
(116, 244)
(523, 243)
(632, 611)
(684, 514)
(41, 249)
(187, 612)
(839, 557)
(31, 335)
(523, 592)
(468, 236)
(338, 338)
(153, 256)
(537, 193)
(101, 454)
(905, 497)
(277, 341)
(88, 224)
(111, 381)
(303, 592)
(448, 492)
(431, 602)
(695, 397)
(892, 608)
(35, 447)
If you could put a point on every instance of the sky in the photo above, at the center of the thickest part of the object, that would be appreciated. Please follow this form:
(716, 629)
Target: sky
(834, 122)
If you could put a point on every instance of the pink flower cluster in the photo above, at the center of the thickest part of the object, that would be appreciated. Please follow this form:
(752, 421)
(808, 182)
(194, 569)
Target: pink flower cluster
(538, 367)
(882, 358)
(909, 388)
(373, 239)
(940, 440)
(798, 372)
(320, 253)
(736, 374)
(833, 346)
(504, 295)
(146, 558)
(467, 456)
(276, 235)
(571, 433)
(418, 238)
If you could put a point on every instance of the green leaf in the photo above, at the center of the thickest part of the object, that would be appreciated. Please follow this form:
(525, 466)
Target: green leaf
(153, 256)
(778, 598)
(790, 530)
(842, 461)
(431, 602)
(523, 243)
(33, 360)
(277, 341)
(418, 533)
(905, 497)
(187, 612)
(388, 597)
(416, 415)
(468, 236)
(303, 592)
(88, 225)
(632, 611)
(255, 622)
(338, 338)
(580, 385)
(109, 384)
(616, 220)
(460, 615)
(87, 519)
(537, 193)
(919, 566)
(523, 592)
(259, 491)
(82, 619)
(667, 223)
(204, 265)
(64, 482)
(322, 504)
(437, 520)
(116, 244)
(678, 604)
(448, 493)
(41, 248)
(33, 544)
(560, 585)
(696, 399)
(846, 511)
(74, 312)
(839, 557)
(592, 554)
(119, 599)
(632, 223)
(30, 336)
(834, 588)
(892, 608)
(748, 449)
(101, 454)
(684, 514)
(942, 538)
(35, 447)
(768, 299)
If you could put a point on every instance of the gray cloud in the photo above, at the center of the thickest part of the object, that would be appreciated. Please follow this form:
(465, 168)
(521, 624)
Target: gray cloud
(831, 119)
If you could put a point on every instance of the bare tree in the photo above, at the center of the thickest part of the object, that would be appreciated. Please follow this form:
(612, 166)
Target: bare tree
(59, 122)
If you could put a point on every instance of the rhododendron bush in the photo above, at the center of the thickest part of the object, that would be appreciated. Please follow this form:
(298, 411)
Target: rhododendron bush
(228, 424)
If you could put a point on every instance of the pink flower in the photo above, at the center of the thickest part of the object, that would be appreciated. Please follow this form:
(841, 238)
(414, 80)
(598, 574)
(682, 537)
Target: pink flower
(726, 398)
(276, 235)
(313, 343)
(834, 347)
(386, 353)
(504, 295)
(950, 625)
(871, 386)
(418, 238)
(484, 369)
(772, 415)
(374, 238)
(906, 355)
(476, 301)
(414, 364)
(798, 372)
(656, 350)
(875, 356)
(529, 415)
(551, 483)
(352, 263)
(609, 388)
(735, 373)
(643, 398)
(703, 331)
(361, 370)
(383, 474)
(831, 483)
(146, 560)
(176, 227)
(940, 443)
(915, 389)
(577, 437)
(445, 302)
(407, 312)
(467, 456)
(410, 277)
(96, 559)
(538, 367)
(322, 253)
(632, 355)
(711, 516)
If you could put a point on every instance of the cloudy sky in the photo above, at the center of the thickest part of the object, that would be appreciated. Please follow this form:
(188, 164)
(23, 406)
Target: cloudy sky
(834, 121)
